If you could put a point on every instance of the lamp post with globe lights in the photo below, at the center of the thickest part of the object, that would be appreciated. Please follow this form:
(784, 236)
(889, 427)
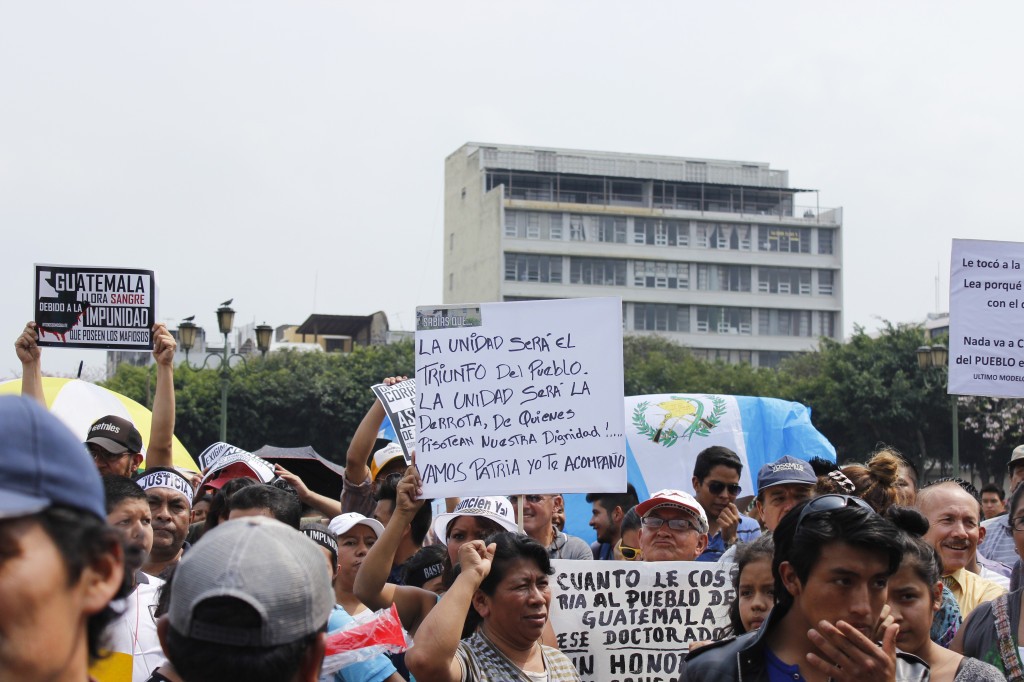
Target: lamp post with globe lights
(225, 322)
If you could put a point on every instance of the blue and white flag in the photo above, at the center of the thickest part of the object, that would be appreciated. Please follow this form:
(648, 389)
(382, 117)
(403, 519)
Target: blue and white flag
(665, 433)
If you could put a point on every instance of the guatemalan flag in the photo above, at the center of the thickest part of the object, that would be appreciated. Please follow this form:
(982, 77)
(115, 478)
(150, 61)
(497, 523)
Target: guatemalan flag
(664, 434)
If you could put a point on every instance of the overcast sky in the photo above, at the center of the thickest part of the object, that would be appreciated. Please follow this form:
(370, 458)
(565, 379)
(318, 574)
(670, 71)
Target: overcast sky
(290, 154)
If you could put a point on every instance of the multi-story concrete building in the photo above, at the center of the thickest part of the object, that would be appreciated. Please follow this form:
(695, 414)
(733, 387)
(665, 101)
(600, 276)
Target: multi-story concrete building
(716, 255)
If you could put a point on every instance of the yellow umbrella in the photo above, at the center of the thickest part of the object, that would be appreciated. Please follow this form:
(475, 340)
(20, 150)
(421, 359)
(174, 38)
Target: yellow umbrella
(80, 403)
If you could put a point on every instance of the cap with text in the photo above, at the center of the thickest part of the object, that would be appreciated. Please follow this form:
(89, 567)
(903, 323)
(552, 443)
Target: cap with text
(166, 477)
(785, 470)
(676, 499)
(497, 509)
(385, 456)
(115, 434)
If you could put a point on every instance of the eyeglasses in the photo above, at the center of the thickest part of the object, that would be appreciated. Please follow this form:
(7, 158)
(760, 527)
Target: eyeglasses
(98, 452)
(654, 523)
(716, 488)
(829, 503)
(628, 553)
(1017, 523)
(532, 499)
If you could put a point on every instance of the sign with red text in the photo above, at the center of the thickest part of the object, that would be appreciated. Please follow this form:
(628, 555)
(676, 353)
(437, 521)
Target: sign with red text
(522, 397)
(619, 620)
(95, 307)
(986, 318)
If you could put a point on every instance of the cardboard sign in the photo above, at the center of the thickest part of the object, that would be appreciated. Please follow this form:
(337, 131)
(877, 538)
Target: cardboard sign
(622, 620)
(399, 403)
(520, 398)
(986, 319)
(214, 452)
(95, 307)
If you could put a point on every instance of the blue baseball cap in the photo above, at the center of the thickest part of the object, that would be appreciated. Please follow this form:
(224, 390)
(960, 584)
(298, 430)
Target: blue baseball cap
(785, 470)
(43, 464)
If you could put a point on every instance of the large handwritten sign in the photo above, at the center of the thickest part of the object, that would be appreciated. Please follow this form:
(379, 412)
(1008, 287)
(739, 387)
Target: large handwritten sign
(520, 398)
(621, 621)
(399, 401)
(986, 319)
(95, 307)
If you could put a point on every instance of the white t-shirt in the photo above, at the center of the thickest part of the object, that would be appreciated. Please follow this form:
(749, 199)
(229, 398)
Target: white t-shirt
(131, 639)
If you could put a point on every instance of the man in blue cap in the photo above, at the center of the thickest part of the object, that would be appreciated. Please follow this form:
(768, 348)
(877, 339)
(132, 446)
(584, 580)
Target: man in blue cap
(61, 563)
(782, 485)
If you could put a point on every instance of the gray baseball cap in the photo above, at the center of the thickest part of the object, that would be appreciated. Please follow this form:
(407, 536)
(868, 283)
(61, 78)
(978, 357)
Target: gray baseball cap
(271, 567)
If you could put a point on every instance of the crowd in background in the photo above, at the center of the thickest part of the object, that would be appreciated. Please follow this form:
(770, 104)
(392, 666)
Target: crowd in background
(116, 565)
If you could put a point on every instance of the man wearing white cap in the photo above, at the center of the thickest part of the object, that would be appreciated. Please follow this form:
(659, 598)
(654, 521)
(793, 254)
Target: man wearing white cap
(673, 527)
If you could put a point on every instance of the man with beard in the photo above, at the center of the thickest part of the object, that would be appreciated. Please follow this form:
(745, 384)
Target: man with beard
(169, 495)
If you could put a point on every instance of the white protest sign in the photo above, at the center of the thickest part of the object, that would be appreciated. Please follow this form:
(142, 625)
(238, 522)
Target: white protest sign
(521, 397)
(986, 319)
(214, 452)
(617, 620)
(95, 307)
(399, 401)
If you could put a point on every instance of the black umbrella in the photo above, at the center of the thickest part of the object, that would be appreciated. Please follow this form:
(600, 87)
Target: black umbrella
(320, 475)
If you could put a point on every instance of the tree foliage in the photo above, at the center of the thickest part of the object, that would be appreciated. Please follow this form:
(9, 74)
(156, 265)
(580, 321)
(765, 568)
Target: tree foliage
(288, 399)
(863, 392)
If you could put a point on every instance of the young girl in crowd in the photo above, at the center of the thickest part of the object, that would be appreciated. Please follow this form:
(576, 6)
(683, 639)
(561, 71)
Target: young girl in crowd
(915, 595)
(754, 585)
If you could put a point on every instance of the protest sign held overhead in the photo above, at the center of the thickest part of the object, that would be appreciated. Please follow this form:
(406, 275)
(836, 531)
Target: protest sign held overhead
(223, 460)
(95, 307)
(399, 403)
(986, 318)
(521, 397)
(619, 621)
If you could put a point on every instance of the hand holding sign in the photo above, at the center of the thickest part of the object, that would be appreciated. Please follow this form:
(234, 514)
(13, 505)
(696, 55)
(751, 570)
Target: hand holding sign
(25, 345)
(410, 490)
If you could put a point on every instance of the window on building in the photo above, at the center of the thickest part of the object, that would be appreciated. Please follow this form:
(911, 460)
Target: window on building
(602, 271)
(723, 320)
(661, 275)
(775, 322)
(784, 239)
(661, 317)
(612, 229)
(772, 358)
(827, 324)
(713, 277)
(795, 281)
(723, 236)
(522, 267)
(533, 226)
(555, 226)
(577, 229)
(825, 237)
(656, 232)
(733, 357)
(825, 282)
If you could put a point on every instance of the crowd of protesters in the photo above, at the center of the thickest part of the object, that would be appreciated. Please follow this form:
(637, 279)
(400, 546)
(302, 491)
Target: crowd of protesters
(115, 565)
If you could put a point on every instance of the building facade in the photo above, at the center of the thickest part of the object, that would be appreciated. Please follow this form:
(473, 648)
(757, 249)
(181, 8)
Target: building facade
(716, 255)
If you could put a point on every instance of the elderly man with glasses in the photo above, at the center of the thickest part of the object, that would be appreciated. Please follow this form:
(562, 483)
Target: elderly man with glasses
(673, 527)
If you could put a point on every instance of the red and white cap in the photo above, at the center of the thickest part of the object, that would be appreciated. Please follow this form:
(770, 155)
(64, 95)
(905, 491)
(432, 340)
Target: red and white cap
(678, 500)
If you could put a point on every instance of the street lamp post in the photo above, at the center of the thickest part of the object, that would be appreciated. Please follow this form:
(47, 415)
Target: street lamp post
(936, 356)
(225, 322)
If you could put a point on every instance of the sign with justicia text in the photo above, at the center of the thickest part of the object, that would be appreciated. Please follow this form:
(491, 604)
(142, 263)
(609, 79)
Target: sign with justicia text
(95, 307)
(986, 318)
(522, 397)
